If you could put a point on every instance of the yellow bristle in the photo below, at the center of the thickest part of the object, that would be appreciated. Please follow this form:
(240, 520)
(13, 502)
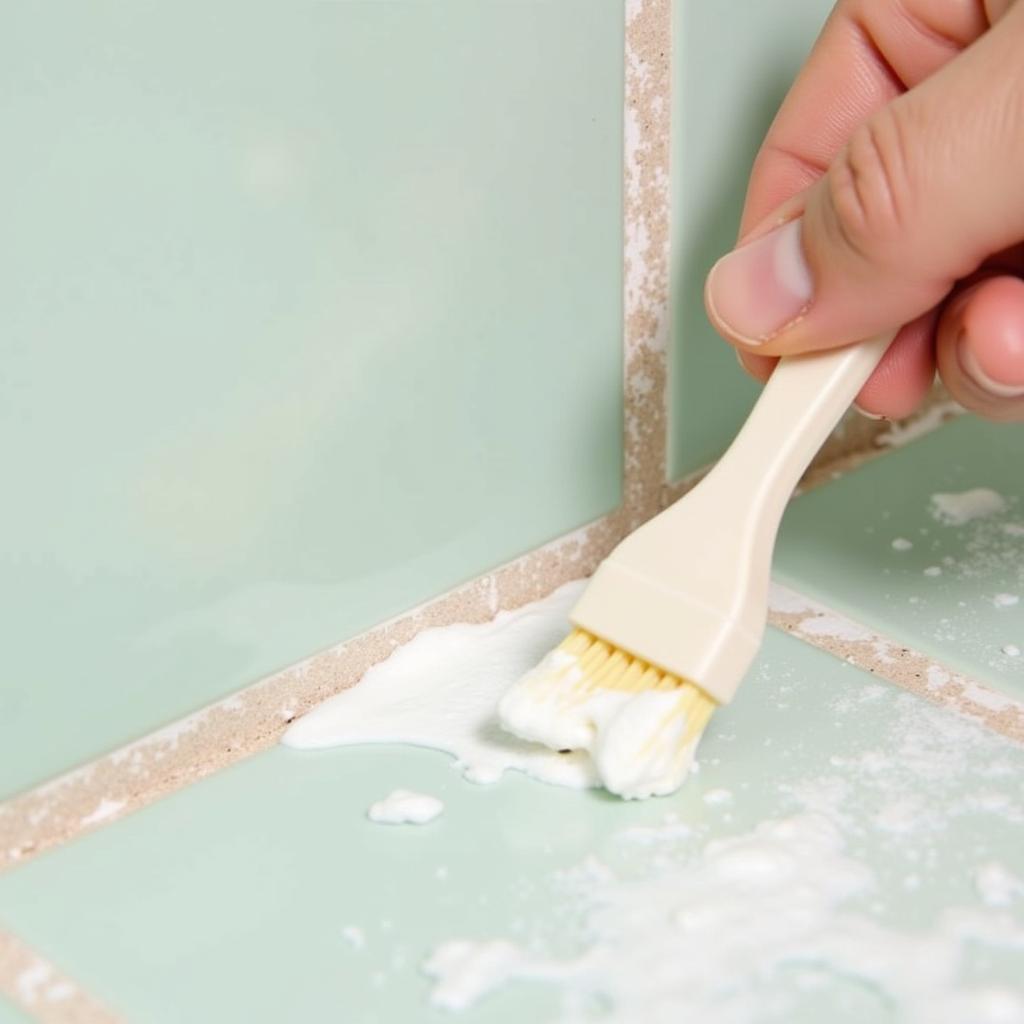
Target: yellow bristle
(602, 666)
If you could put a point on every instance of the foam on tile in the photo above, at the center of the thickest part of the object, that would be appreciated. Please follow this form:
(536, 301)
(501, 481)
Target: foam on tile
(962, 507)
(690, 929)
(441, 690)
(403, 807)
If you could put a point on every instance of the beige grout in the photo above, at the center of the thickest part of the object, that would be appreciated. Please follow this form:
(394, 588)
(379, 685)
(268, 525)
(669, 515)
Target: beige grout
(896, 663)
(35, 985)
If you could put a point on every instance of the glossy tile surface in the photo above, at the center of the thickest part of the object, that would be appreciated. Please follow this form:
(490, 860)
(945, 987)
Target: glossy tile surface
(869, 544)
(235, 899)
(301, 322)
(10, 1014)
(730, 74)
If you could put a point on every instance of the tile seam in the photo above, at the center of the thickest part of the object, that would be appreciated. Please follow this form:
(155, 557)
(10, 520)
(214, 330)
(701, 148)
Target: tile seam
(900, 664)
(43, 991)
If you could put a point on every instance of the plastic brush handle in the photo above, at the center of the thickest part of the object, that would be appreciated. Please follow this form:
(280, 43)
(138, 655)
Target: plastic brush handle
(803, 401)
(688, 591)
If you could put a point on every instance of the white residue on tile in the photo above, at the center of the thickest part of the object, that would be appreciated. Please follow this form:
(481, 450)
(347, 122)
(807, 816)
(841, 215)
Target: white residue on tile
(646, 834)
(715, 797)
(787, 602)
(933, 570)
(1006, 600)
(1013, 529)
(997, 885)
(60, 991)
(104, 809)
(1011, 650)
(30, 981)
(838, 627)
(441, 690)
(900, 434)
(354, 936)
(464, 970)
(987, 698)
(680, 928)
(36, 983)
(959, 508)
(902, 544)
(772, 899)
(404, 807)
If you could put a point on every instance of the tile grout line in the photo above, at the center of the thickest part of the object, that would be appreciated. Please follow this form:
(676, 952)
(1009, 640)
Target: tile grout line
(32, 983)
(816, 624)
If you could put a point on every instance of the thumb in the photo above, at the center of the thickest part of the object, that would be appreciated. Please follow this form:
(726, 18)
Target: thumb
(925, 190)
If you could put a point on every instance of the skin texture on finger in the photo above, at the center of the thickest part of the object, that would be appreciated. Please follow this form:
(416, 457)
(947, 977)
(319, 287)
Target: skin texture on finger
(759, 367)
(980, 348)
(905, 374)
(922, 193)
(868, 53)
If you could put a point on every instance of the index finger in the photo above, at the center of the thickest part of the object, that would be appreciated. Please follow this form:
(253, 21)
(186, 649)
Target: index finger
(867, 54)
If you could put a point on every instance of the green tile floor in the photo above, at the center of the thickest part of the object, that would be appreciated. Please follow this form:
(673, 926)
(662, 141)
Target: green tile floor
(938, 594)
(229, 901)
(10, 1014)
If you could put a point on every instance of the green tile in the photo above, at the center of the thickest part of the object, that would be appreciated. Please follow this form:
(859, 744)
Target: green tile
(229, 901)
(836, 544)
(730, 74)
(308, 312)
(11, 1014)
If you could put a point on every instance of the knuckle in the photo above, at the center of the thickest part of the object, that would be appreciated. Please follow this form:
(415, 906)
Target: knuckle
(869, 187)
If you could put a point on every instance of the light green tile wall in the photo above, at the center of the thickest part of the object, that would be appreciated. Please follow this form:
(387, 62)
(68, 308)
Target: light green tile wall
(10, 1014)
(732, 65)
(307, 312)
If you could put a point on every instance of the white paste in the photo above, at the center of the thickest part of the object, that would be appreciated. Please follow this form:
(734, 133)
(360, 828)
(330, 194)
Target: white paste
(1011, 650)
(933, 570)
(1006, 600)
(441, 690)
(683, 942)
(997, 885)
(465, 970)
(635, 738)
(902, 544)
(104, 809)
(354, 936)
(960, 508)
(403, 807)
(900, 434)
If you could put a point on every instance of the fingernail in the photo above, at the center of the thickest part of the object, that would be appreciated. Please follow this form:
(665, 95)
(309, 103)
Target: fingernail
(869, 415)
(760, 288)
(973, 369)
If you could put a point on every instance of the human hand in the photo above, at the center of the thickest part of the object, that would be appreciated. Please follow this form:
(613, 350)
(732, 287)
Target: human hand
(895, 168)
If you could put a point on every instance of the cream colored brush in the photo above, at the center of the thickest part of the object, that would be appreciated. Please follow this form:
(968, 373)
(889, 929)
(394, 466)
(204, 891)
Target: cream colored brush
(673, 618)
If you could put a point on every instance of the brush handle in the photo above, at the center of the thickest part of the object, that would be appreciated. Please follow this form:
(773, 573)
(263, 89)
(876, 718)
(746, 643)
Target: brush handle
(801, 404)
(688, 591)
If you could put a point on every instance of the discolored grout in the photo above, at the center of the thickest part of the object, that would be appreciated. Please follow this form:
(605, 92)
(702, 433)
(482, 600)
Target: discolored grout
(35, 985)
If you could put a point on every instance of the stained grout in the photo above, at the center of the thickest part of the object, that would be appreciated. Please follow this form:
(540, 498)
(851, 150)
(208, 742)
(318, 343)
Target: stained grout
(39, 988)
